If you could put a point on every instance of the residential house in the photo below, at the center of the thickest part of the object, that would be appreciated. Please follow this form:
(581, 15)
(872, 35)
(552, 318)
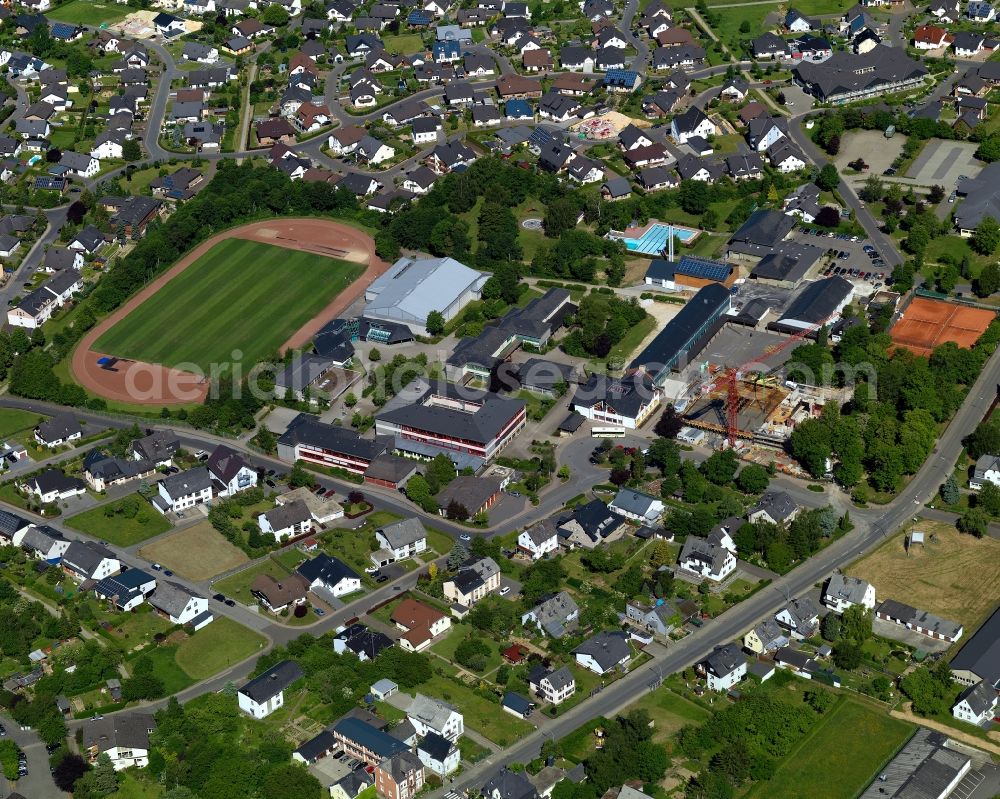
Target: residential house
(775, 507)
(160, 446)
(329, 577)
(399, 541)
(123, 737)
(279, 595)
(538, 540)
(765, 637)
(420, 622)
(101, 470)
(45, 543)
(88, 560)
(60, 429)
(986, 470)
(637, 506)
(438, 754)
(475, 579)
(977, 705)
(713, 556)
(54, 485)
(365, 644)
(554, 686)
(183, 490)
(554, 616)
(179, 605)
(800, 617)
(590, 524)
(429, 715)
(291, 519)
(842, 592)
(725, 667)
(230, 471)
(604, 652)
(660, 618)
(399, 776)
(691, 123)
(127, 590)
(263, 695)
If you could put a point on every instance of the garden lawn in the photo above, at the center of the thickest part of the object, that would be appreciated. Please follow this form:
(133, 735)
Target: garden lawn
(624, 348)
(240, 296)
(839, 757)
(459, 632)
(221, 644)
(13, 420)
(165, 667)
(89, 12)
(404, 43)
(670, 712)
(237, 586)
(117, 529)
(480, 714)
(130, 788)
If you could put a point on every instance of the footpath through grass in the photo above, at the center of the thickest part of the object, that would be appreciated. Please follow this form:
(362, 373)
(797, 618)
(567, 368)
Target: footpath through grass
(238, 303)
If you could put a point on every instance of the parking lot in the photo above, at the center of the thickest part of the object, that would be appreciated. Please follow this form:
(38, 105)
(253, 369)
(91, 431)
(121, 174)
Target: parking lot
(857, 258)
(941, 163)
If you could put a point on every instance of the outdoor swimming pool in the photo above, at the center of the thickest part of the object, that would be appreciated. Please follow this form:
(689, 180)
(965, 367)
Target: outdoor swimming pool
(653, 240)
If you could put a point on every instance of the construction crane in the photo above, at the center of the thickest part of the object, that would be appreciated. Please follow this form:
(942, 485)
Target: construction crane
(729, 379)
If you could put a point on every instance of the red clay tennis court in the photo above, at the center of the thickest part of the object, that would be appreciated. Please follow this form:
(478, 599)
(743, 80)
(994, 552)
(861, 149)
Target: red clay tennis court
(927, 324)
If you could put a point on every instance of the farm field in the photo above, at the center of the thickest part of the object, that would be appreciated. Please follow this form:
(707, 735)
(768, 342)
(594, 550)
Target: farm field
(242, 296)
(941, 576)
(218, 646)
(199, 552)
(119, 529)
(830, 765)
(88, 12)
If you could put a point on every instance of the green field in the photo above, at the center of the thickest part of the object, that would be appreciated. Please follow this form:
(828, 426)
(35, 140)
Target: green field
(88, 12)
(237, 586)
(119, 529)
(241, 296)
(404, 43)
(827, 764)
(221, 644)
(13, 420)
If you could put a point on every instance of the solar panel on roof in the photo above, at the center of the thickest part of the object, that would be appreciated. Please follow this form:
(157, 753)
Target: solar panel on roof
(702, 268)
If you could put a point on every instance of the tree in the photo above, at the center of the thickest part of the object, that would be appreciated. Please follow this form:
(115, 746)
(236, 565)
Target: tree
(693, 196)
(68, 770)
(560, 215)
(949, 490)
(846, 654)
(828, 178)
(669, 424)
(975, 522)
(989, 498)
(745, 26)
(374, 355)
(720, 467)
(131, 151)
(473, 653)
(828, 216)
(873, 189)
(435, 319)
(986, 237)
(105, 776)
(420, 493)
(456, 511)
(290, 779)
(753, 479)
(819, 700)
(299, 477)
(350, 400)
(988, 281)
(936, 194)
(275, 15)
(457, 556)
(856, 624)
(830, 627)
(810, 445)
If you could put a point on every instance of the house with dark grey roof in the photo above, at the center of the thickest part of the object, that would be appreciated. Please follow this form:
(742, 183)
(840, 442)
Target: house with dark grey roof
(626, 402)
(60, 429)
(766, 636)
(45, 543)
(507, 784)
(842, 592)
(264, 694)
(538, 540)
(365, 644)
(364, 742)
(88, 560)
(330, 576)
(977, 705)
(127, 590)
(230, 471)
(309, 439)
(554, 616)
(554, 686)
(101, 470)
(177, 603)
(160, 446)
(401, 540)
(800, 617)
(763, 230)
(438, 754)
(604, 652)
(659, 618)
(474, 580)
(123, 737)
(636, 505)
(775, 507)
(589, 525)
(54, 485)
(725, 667)
(920, 621)
(288, 519)
(183, 490)
(713, 556)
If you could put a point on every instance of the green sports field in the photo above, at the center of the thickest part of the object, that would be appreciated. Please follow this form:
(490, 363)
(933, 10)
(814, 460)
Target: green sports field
(241, 295)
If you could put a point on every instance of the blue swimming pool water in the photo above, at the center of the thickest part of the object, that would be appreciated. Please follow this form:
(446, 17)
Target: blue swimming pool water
(654, 240)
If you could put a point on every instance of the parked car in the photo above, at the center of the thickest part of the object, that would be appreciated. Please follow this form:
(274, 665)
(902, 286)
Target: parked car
(231, 603)
(219, 597)
(505, 590)
(156, 567)
(382, 578)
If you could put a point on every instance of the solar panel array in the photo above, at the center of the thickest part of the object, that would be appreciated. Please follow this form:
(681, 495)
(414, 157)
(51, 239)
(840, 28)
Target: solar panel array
(702, 268)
